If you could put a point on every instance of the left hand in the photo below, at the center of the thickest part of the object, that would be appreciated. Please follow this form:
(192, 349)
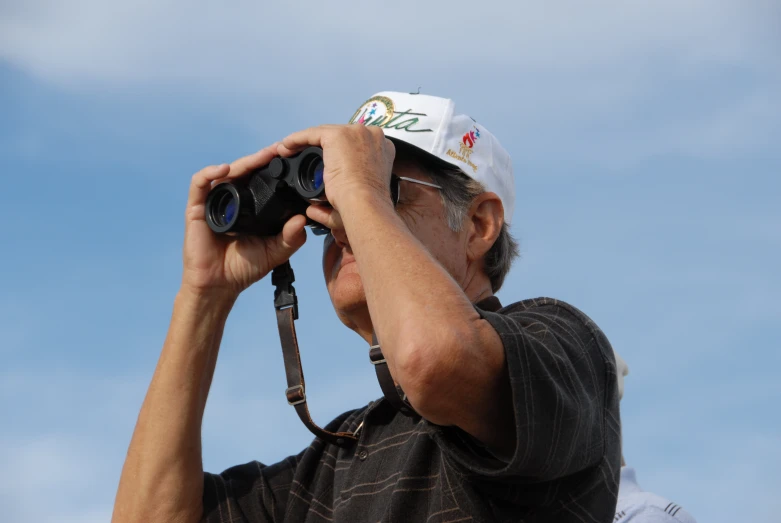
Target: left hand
(358, 159)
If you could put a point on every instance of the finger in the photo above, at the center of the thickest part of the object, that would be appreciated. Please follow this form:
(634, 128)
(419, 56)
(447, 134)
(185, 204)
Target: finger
(390, 148)
(284, 152)
(253, 161)
(293, 232)
(202, 181)
(288, 241)
(302, 139)
(328, 216)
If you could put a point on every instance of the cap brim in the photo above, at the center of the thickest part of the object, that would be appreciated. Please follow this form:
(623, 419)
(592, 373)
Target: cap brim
(407, 149)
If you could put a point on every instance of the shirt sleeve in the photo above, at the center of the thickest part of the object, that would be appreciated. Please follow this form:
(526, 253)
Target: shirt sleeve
(248, 493)
(564, 396)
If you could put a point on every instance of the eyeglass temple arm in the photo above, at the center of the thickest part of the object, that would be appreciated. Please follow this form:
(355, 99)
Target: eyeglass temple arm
(420, 182)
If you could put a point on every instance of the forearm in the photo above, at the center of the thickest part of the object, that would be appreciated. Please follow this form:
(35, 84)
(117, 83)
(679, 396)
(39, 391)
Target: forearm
(404, 284)
(428, 328)
(162, 479)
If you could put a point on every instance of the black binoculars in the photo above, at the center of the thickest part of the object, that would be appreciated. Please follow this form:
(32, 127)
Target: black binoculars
(261, 202)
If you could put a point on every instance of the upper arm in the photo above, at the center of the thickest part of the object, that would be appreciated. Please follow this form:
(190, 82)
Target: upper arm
(563, 388)
(560, 392)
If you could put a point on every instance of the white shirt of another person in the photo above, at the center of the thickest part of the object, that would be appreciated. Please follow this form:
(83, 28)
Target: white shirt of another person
(638, 506)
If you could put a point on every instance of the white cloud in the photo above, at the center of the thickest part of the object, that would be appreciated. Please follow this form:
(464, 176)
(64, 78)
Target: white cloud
(65, 432)
(538, 74)
(247, 40)
(72, 478)
(63, 441)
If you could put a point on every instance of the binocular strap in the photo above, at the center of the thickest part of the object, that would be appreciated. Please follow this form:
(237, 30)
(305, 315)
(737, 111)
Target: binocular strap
(296, 388)
(393, 393)
(286, 305)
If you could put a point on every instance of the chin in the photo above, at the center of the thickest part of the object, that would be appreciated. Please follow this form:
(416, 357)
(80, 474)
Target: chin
(347, 294)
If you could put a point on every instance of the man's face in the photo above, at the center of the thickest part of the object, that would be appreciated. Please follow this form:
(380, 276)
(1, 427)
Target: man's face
(422, 211)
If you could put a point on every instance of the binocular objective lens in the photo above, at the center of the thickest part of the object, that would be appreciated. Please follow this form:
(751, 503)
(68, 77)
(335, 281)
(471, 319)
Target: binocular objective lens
(312, 175)
(225, 210)
(318, 178)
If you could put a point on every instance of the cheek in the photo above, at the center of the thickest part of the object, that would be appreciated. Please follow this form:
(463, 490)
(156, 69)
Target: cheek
(444, 244)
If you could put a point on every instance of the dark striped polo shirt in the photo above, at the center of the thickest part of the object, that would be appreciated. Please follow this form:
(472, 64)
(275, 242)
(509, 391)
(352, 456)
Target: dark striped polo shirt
(565, 467)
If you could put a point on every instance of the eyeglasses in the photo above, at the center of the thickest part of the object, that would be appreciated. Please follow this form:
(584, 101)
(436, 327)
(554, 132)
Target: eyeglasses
(395, 190)
(396, 186)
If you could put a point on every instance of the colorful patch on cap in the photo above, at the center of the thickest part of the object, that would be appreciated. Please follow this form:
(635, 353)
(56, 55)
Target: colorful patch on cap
(466, 147)
(381, 111)
(468, 141)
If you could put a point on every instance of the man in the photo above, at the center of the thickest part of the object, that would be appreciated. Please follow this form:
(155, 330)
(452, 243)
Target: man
(636, 505)
(510, 414)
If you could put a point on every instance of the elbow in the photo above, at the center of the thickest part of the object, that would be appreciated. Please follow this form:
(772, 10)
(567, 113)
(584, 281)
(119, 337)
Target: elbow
(428, 374)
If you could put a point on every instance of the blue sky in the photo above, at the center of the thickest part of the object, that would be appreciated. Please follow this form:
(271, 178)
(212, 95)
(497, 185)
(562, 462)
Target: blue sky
(645, 143)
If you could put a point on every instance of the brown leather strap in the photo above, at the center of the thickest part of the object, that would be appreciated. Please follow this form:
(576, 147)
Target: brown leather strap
(393, 393)
(286, 306)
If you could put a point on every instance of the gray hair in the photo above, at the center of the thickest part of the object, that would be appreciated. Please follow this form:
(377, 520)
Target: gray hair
(458, 192)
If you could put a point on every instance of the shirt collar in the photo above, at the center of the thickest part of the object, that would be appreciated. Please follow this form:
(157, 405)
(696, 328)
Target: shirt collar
(491, 304)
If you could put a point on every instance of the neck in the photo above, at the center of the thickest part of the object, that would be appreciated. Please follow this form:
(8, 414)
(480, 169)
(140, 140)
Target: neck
(476, 285)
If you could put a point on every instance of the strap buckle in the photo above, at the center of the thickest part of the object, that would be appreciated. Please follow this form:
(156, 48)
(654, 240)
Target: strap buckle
(285, 299)
(295, 395)
(282, 278)
(375, 355)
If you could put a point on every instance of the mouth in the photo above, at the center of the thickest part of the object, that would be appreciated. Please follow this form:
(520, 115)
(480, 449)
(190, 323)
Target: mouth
(344, 262)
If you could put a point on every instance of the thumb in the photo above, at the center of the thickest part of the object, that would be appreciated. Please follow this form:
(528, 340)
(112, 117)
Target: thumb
(287, 242)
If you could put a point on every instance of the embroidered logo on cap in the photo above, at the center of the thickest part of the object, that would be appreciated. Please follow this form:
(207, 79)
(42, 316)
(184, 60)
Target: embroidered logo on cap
(466, 147)
(380, 111)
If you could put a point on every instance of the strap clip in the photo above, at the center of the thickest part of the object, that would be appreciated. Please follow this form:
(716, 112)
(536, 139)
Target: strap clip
(295, 395)
(282, 278)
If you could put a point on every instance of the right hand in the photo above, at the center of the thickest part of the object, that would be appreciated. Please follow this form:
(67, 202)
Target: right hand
(230, 264)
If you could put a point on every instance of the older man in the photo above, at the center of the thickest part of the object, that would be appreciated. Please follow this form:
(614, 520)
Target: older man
(493, 414)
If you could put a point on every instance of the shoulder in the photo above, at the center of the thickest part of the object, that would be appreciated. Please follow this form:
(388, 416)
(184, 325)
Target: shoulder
(636, 505)
(550, 309)
(548, 319)
(645, 507)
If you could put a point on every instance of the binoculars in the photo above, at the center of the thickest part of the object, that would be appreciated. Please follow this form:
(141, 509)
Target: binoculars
(260, 202)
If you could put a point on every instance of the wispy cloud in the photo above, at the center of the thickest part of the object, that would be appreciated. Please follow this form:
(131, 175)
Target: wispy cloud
(161, 41)
(54, 479)
(70, 452)
(67, 456)
(573, 72)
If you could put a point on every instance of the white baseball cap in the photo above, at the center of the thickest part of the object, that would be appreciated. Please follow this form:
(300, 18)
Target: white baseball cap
(431, 124)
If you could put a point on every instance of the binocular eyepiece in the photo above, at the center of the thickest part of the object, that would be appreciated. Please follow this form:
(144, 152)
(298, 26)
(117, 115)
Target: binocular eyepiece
(261, 202)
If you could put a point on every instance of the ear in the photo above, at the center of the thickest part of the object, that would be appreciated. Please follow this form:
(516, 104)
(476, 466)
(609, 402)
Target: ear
(484, 221)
